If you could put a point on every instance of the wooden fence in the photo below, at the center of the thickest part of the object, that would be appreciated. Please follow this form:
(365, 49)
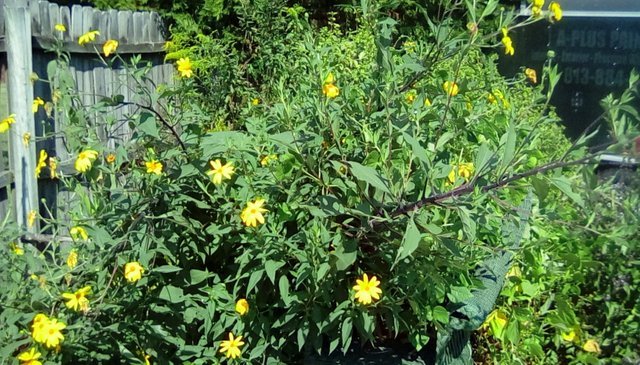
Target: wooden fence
(26, 34)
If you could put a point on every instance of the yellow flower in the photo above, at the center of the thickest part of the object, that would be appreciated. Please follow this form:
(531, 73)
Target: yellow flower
(40, 322)
(89, 36)
(109, 47)
(56, 95)
(60, 27)
(16, 249)
(85, 159)
(53, 165)
(507, 42)
(591, 346)
(367, 290)
(531, 75)
(252, 214)
(555, 8)
(47, 331)
(266, 160)
(242, 307)
(78, 300)
(219, 171)
(30, 357)
(330, 90)
(538, 3)
(78, 232)
(232, 346)
(154, 167)
(31, 218)
(184, 67)
(111, 158)
(255, 101)
(464, 170)
(7, 122)
(536, 11)
(572, 335)
(427, 102)
(42, 162)
(37, 102)
(450, 88)
(26, 138)
(34, 77)
(72, 259)
(495, 95)
(409, 46)
(133, 271)
(410, 96)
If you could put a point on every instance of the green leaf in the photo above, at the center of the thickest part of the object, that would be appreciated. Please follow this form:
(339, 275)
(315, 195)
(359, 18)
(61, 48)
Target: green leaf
(468, 224)
(345, 255)
(369, 175)
(302, 334)
(509, 145)
(346, 333)
(440, 314)
(541, 188)
(489, 9)
(417, 149)
(534, 348)
(419, 340)
(216, 143)
(512, 333)
(410, 242)
(198, 276)
(564, 185)
(271, 267)
(458, 294)
(283, 285)
(483, 158)
(172, 294)
(253, 279)
(166, 269)
(147, 124)
(442, 141)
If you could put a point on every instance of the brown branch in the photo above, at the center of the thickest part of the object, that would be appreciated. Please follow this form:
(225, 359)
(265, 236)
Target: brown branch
(471, 186)
(162, 120)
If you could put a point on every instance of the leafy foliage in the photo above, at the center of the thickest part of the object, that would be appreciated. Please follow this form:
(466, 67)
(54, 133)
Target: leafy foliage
(394, 176)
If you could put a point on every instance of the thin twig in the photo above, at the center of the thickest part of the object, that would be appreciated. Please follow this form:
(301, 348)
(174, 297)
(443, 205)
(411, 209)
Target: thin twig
(162, 120)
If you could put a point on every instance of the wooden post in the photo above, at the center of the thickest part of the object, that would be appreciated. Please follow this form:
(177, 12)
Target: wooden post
(19, 61)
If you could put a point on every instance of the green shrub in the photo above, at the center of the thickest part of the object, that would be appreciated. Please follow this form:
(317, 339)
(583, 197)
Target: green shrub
(366, 152)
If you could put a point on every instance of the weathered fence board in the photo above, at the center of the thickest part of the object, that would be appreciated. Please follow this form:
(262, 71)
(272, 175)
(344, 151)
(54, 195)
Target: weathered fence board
(137, 33)
(19, 62)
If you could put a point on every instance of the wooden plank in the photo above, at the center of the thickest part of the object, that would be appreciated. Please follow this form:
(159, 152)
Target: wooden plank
(34, 9)
(76, 29)
(98, 91)
(65, 19)
(138, 28)
(6, 178)
(112, 29)
(123, 26)
(54, 18)
(4, 112)
(45, 26)
(156, 29)
(19, 59)
(1, 18)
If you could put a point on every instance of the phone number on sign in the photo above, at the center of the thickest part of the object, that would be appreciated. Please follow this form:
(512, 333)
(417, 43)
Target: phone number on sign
(590, 76)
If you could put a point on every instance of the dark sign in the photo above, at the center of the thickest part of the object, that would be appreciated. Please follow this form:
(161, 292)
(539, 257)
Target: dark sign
(595, 54)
